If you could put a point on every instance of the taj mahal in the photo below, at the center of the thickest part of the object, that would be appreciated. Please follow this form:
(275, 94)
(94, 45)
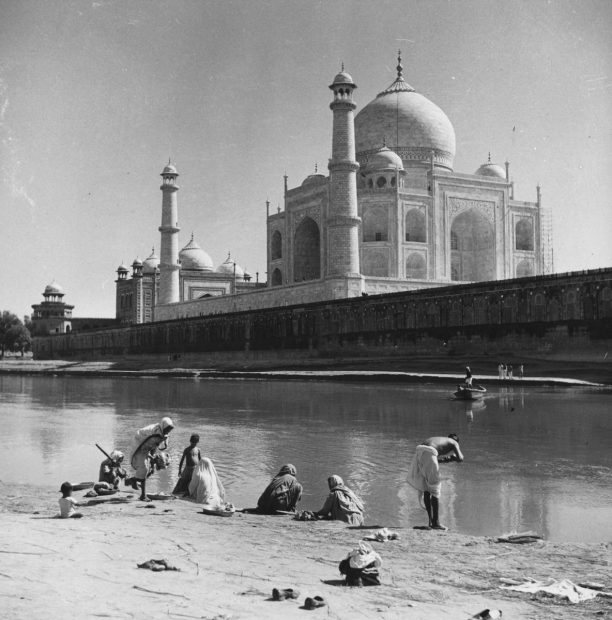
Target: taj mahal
(391, 215)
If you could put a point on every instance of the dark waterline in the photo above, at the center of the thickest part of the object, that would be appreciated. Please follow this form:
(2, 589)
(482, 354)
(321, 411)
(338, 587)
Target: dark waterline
(536, 459)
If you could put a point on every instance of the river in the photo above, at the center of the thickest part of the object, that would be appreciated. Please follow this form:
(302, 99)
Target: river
(535, 458)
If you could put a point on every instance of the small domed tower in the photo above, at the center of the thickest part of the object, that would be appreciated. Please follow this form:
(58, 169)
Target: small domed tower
(169, 265)
(343, 221)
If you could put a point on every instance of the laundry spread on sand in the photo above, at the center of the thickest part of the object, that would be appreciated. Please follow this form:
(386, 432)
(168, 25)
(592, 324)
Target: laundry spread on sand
(519, 539)
(563, 589)
(382, 535)
(158, 565)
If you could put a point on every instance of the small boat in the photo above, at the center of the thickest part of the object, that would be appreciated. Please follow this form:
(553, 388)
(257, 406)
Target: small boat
(474, 392)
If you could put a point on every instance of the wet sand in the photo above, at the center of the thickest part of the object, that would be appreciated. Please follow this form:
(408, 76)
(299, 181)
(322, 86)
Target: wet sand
(66, 568)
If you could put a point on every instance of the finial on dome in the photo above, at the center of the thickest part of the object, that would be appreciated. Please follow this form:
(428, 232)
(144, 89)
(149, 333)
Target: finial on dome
(489, 160)
(316, 167)
(342, 65)
(399, 67)
(384, 142)
(192, 235)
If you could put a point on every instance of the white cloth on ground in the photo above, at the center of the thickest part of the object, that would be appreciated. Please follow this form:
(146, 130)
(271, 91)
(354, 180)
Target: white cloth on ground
(564, 589)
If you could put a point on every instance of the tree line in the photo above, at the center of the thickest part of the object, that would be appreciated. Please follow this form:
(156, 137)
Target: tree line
(15, 335)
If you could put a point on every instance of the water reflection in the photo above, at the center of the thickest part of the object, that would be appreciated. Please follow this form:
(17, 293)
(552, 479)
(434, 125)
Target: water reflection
(532, 456)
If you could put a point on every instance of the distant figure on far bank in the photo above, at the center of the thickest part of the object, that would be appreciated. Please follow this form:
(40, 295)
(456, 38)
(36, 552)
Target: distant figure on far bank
(424, 474)
(283, 493)
(341, 503)
(500, 370)
(521, 372)
(147, 444)
(510, 372)
(191, 457)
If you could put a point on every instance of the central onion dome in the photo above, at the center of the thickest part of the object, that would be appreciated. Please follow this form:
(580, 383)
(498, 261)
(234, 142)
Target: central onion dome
(409, 119)
(192, 256)
(229, 266)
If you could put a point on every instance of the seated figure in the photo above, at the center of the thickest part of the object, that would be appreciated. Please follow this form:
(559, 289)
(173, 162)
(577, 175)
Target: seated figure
(341, 503)
(283, 493)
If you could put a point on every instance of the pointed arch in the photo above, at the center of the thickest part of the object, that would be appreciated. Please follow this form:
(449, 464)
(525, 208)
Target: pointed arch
(472, 247)
(276, 245)
(307, 251)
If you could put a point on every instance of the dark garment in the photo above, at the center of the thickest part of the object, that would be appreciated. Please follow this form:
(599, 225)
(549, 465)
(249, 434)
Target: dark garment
(182, 486)
(367, 576)
(283, 493)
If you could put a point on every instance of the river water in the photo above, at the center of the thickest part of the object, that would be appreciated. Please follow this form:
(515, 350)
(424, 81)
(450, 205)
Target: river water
(535, 458)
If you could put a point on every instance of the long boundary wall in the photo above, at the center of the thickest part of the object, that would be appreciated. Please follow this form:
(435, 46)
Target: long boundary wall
(555, 314)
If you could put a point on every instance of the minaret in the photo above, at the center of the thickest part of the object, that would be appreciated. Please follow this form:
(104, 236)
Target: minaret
(343, 220)
(169, 251)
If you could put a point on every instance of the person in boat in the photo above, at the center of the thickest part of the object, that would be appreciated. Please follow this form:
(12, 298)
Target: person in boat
(111, 472)
(191, 457)
(206, 487)
(341, 503)
(424, 473)
(283, 493)
(468, 377)
(147, 444)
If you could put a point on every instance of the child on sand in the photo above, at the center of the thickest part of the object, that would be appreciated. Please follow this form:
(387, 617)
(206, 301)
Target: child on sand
(191, 457)
(67, 503)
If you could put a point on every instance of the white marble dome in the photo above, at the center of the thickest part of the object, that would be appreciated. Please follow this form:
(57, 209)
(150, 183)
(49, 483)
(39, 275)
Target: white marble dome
(491, 170)
(192, 256)
(384, 159)
(413, 124)
(150, 264)
(227, 268)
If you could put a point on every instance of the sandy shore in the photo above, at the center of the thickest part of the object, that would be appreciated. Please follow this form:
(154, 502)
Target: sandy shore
(81, 568)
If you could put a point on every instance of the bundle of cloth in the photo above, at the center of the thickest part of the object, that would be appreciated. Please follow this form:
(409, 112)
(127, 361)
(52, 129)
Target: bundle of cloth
(361, 566)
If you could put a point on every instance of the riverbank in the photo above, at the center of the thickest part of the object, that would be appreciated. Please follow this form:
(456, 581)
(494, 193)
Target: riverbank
(538, 371)
(63, 568)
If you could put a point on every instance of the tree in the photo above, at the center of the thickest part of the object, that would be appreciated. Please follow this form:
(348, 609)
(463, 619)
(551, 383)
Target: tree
(18, 338)
(13, 333)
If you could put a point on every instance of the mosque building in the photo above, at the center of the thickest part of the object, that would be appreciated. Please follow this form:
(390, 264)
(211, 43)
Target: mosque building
(392, 215)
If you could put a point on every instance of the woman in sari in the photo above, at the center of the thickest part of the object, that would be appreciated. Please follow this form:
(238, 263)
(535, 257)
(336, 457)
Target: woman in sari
(205, 486)
(283, 493)
(341, 503)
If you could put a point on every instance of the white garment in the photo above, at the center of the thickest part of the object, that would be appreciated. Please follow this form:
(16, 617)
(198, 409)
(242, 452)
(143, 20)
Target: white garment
(425, 472)
(564, 589)
(205, 486)
(67, 505)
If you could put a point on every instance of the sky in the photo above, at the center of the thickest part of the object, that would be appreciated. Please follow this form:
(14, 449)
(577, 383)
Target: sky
(95, 97)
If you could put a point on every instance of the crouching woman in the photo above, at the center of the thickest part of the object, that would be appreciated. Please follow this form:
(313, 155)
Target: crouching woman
(341, 503)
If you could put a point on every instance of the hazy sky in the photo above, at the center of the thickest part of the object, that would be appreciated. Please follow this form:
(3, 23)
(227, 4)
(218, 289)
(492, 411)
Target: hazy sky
(95, 96)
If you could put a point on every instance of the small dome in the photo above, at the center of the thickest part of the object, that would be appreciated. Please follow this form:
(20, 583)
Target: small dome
(53, 289)
(137, 262)
(384, 159)
(170, 169)
(228, 268)
(192, 256)
(491, 170)
(151, 263)
(343, 78)
(314, 179)
(122, 268)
